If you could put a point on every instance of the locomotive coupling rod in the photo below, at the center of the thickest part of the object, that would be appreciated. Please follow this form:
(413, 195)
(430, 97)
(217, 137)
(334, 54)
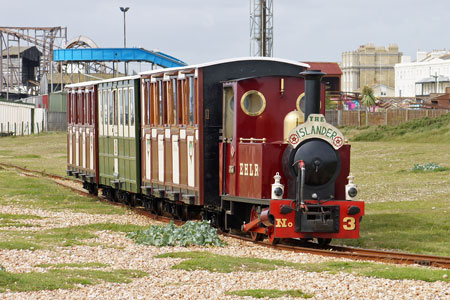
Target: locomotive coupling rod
(250, 225)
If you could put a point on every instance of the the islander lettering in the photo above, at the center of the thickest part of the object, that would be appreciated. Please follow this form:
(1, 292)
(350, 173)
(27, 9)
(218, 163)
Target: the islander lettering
(316, 130)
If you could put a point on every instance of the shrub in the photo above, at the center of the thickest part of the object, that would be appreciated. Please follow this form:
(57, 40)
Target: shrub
(191, 233)
(429, 167)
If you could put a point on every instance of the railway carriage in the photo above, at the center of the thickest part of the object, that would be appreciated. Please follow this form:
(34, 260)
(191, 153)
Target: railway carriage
(82, 146)
(237, 142)
(118, 139)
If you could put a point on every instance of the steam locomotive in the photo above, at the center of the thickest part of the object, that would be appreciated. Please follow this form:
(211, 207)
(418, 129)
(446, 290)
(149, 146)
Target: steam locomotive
(243, 143)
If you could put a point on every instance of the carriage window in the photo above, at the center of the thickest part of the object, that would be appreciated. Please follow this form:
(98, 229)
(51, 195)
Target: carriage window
(120, 107)
(175, 101)
(105, 105)
(86, 108)
(228, 118)
(160, 101)
(93, 107)
(191, 100)
(131, 97)
(100, 114)
(80, 108)
(111, 107)
(153, 103)
(301, 102)
(127, 111)
(116, 107)
(253, 103)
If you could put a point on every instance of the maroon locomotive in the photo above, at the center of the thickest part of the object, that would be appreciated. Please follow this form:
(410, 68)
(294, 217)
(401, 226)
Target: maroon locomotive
(239, 142)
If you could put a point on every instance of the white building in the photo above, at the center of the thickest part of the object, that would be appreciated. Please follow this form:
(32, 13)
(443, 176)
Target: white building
(430, 73)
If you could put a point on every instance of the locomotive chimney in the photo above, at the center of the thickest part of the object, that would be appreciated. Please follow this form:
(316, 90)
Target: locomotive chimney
(312, 91)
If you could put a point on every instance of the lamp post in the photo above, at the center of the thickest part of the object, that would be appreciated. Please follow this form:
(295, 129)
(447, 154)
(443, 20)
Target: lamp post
(124, 10)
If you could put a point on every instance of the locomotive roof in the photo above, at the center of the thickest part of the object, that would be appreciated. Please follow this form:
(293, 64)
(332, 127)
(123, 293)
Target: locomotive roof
(224, 61)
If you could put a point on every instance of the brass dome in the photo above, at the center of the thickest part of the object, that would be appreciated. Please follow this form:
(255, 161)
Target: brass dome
(292, 120)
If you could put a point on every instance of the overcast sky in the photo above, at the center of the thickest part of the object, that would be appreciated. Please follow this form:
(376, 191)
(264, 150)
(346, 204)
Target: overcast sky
(197, 31)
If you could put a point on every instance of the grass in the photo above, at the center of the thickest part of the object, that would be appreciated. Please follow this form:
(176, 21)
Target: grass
(225, 264)
(264, 293)
(425, 130)
(45, 152)
(59, 237)
(11, 220)
(34, 192)
(62, 279)
(74, 265)
(405, 210)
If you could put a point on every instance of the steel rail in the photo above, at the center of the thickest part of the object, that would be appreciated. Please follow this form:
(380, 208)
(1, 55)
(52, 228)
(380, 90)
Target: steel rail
(298, 247)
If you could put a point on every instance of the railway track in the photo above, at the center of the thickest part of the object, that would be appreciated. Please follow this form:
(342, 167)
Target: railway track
(295, 246)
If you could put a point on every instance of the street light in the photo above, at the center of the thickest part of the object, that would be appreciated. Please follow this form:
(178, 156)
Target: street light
(124, 10)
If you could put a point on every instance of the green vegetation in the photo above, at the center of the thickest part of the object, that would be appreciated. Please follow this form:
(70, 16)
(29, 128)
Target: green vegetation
(45, 152)
(62, 278)
(368, 98)
(425, 130)
(190, 233)
(377, 270)
(197, 260)
(59, 237)
(226, 264)
(11, 220)
(405, 211)
(34, 192)
(429, 167)
(74, 265)
(261, 293)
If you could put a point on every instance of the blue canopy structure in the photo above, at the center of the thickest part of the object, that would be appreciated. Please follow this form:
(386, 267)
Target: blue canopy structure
(117, 54)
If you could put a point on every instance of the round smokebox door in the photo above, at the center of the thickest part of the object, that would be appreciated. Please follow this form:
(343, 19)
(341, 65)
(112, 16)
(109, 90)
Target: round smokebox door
(322, 162)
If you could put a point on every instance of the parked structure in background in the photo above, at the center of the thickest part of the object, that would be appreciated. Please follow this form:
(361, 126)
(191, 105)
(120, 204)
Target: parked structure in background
(371, 66)
(20, 72)
(261, 28)
(27, 50)
(428, 74)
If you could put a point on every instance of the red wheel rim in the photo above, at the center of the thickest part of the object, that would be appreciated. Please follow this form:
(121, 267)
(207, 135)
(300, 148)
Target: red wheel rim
(255, 235)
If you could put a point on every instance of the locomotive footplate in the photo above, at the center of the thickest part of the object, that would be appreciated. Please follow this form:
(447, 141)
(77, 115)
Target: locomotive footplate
(317, 218)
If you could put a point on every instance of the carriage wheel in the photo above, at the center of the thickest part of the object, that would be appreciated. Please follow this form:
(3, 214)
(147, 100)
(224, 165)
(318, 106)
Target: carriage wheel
(323, 241)
(256, 237)
(271, 236)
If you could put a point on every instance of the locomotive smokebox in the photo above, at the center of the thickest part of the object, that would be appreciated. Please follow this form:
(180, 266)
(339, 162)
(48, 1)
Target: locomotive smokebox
(312, 91)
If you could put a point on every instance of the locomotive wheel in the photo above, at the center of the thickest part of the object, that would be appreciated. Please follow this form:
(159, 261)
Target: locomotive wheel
(271, 236)
(323, 242)
(256, 237)
(159, 207)
(184, 213)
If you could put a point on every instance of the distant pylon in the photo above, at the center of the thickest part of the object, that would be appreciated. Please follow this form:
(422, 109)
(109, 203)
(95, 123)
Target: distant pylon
(261, 27)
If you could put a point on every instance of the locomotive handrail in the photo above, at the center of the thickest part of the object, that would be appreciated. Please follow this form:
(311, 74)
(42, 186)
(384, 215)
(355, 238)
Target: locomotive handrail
(252, 140)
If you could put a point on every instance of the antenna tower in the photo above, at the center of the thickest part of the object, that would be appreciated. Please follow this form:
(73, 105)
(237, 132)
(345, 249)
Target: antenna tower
(261, 28)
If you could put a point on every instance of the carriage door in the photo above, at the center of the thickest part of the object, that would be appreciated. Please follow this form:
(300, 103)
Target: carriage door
(229, 158)
(115, 132)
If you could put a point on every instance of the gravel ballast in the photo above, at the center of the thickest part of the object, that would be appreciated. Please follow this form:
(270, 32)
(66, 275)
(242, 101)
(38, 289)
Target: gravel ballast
(162, 282)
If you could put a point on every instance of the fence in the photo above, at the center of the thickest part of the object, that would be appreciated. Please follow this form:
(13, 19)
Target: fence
(388, 117)
(21, 119)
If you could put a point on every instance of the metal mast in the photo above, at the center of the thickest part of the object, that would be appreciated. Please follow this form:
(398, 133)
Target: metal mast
(261, 27)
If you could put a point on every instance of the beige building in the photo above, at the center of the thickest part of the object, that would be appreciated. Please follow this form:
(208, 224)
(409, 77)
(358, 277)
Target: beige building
(372, 66)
